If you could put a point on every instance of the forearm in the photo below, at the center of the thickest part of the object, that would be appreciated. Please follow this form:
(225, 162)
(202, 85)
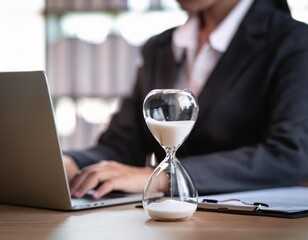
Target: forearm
(123, 141)
(89, 156)
(245, 169)
(71, 167)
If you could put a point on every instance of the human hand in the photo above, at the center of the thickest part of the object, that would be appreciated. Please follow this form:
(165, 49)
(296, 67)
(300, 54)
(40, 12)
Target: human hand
(108, 176)
(71, 167)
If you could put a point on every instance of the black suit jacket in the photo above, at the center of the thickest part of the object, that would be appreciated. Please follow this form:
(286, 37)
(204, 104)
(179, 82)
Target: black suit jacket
(252, 129)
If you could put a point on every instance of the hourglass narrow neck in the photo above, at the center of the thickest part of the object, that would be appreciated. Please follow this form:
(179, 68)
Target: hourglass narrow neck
(170, 152)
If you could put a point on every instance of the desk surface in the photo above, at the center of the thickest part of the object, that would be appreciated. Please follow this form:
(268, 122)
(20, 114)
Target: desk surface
(128, 222)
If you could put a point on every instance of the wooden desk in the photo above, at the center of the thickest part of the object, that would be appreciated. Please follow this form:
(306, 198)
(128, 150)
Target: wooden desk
(126, 222)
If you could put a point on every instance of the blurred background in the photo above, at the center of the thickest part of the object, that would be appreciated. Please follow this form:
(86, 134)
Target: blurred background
(90, 50)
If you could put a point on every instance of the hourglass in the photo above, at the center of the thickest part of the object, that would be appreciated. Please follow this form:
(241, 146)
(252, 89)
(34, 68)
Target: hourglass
(170, 194)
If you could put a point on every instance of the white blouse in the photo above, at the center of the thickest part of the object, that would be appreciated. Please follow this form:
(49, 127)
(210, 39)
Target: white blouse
(198, 67)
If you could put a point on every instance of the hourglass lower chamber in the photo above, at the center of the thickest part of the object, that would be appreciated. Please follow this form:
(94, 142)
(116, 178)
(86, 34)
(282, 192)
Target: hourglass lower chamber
(170, 193)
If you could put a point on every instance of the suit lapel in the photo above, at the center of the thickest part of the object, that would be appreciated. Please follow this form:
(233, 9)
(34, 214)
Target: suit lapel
(248, 41)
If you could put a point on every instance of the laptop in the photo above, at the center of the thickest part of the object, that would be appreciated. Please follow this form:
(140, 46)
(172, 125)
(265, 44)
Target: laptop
(31, 167)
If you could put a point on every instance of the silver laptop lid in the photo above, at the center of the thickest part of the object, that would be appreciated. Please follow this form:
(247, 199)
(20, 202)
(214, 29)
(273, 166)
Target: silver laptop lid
(31, 168)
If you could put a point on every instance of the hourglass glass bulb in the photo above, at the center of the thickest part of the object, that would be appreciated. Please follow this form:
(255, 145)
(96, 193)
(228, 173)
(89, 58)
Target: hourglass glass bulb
(170, 193)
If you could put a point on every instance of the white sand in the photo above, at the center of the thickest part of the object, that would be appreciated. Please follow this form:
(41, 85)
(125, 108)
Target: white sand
(170, 133)
(171, 210)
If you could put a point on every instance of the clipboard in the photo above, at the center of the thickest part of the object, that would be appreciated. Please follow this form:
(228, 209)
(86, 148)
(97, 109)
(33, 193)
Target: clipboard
(289, 202)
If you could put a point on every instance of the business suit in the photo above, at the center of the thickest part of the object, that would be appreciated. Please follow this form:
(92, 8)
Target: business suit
(252, 129)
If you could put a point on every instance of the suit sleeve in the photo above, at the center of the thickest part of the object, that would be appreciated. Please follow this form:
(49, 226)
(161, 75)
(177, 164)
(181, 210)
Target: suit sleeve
(123, 141)
(281, 159)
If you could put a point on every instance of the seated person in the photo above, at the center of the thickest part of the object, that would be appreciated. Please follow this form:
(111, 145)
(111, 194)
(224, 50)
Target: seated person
(247, 62)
